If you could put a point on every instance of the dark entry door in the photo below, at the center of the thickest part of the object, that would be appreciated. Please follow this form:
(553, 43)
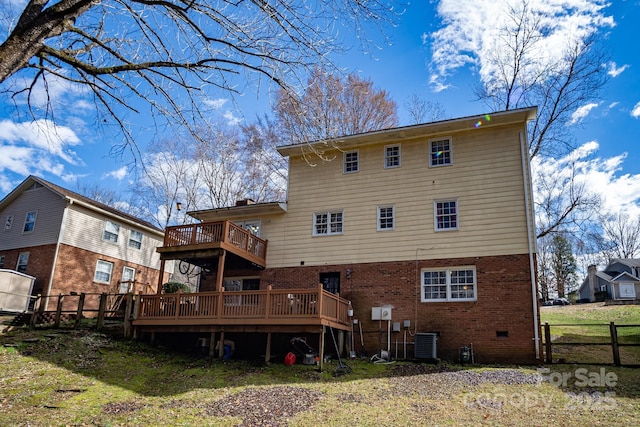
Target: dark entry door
(331, 282)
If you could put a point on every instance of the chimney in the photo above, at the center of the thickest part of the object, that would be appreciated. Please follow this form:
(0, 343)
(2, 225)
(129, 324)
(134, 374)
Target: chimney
(245, 202)
(591, 277)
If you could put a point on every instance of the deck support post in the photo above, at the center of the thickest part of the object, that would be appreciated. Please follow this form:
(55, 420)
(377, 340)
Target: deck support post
(267, 351)
(321, 361)
(160, 277)
(220, 272)
(221, 346)
(340, 342)
(212, 344)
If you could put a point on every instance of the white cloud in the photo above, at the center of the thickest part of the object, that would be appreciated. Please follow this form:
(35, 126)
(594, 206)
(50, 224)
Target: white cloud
(581, 113)
(231, 118)
(473, 32)
(613, 104)
(118, 174)
(216, 103)
(636, 111)
(613, 70)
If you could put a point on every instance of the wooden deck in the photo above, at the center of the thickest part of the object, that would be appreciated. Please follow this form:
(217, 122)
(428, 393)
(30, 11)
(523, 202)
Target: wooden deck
(281, 310)
(204, 240)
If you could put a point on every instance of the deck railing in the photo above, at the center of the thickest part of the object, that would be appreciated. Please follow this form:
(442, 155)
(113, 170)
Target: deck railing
(281, 306)
(223, 232)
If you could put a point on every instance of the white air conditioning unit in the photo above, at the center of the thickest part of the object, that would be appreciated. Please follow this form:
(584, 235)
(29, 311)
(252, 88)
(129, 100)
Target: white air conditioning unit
(380, 313)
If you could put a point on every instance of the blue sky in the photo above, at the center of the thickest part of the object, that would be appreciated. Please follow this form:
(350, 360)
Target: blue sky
(606, 132)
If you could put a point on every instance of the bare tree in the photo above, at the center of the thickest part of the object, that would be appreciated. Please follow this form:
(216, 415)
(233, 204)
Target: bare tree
(422, 111)
(331, 107)
(620, 236)
(169, 54)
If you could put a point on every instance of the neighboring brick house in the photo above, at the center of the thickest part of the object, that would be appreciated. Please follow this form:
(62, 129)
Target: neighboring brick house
(619, 281)
(433, 223)
(70, 243)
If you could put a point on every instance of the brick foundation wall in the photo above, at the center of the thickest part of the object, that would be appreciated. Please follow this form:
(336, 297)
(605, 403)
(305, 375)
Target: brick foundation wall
(504, 305)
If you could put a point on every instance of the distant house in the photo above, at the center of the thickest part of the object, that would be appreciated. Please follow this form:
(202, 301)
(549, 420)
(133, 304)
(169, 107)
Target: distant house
(619, 281)
(426, 230)
(70, 243)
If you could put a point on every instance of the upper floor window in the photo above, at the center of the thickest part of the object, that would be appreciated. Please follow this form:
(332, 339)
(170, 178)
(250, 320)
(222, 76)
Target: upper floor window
(350, 162)
(453, 284)
(392, 156)
(103, 272)
(135, 239)
(325, 223)
(446, 215)
(23, 260)
(440, 152)
(111, 231)
(30, 221)
(386, 218)
(8, 222)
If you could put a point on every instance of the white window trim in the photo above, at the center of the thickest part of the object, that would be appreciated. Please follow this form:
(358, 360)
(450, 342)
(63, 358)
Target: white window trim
(96, 272)
(393, 217)
(431, 141)
(8, 222)
(22, 255)
(35, 218)
(448, 270)
(435, 215)
(399, 156)
(104, 230)
(329, 232)
(344, 162)
(133, 240)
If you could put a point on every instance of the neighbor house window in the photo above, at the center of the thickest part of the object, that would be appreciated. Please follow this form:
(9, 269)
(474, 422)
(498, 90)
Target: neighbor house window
(30, 221)
(392, 156)
(440, 152)
(135, 239)
(350, 162)
(23, 260)
(454, 284)
(386, 218)
(103, 272)
(446, 215)
(325, 223)
(8, 222)
(1, 261)
(111, 231)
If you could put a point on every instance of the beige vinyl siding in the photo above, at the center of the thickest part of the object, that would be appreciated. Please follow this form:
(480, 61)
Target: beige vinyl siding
(485, 178)
(84, 230)
(50, 209)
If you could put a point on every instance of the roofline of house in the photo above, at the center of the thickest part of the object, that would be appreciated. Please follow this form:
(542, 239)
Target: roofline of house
(500, 118)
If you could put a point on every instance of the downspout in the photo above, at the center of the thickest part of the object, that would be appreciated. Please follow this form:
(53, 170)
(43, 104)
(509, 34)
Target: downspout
(55, 254)
(526, 173)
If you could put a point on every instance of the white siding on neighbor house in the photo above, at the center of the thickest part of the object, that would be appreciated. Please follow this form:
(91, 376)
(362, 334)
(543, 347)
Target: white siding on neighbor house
(84, 229)
(486, 179)
(50, 208)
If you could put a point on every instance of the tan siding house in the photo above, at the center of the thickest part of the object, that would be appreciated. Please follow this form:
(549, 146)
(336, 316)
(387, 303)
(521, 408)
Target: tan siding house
(432, 222)
(58, 237)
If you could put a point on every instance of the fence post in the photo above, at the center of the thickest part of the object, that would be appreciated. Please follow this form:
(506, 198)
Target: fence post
(80, 310)
(102, 308)
(36, 311)
(547, 343)
(58, 311)
(614, 343)
(127, 316)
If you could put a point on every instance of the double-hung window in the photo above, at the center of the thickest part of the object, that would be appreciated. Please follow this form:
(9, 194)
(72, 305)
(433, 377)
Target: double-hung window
(452, 284)
(392, 156)
(135, 239)
(386, 218)
(446, 215)
(103, 272)
(111, 231)
(325, 223)
(29, 221)
(8, 222)
(350, 164)
(440, 153)
(23, 260)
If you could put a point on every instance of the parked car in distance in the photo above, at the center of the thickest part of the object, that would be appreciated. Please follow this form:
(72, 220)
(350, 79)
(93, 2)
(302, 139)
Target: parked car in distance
(561, 301)
(547, 303)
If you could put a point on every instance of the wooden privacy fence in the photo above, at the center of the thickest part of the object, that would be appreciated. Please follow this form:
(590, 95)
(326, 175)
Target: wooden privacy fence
(578, 347)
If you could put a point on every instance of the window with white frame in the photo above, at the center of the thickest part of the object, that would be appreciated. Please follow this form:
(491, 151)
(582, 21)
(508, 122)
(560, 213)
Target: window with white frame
(440, 152)
(103, 272)
(111, 231)
(350, 162)
(23, 260)
(386, 218)
(128, 279)
(135, 239)
(451, 284)
(445, 215)
(325, 223)
(392, 156)
(8, 222)
(30, 221)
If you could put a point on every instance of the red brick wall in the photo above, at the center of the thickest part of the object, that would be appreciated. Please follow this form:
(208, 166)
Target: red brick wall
(504, 303)
(39, 265)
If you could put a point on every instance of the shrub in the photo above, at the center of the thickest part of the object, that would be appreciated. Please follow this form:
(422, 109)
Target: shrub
(172, 287)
